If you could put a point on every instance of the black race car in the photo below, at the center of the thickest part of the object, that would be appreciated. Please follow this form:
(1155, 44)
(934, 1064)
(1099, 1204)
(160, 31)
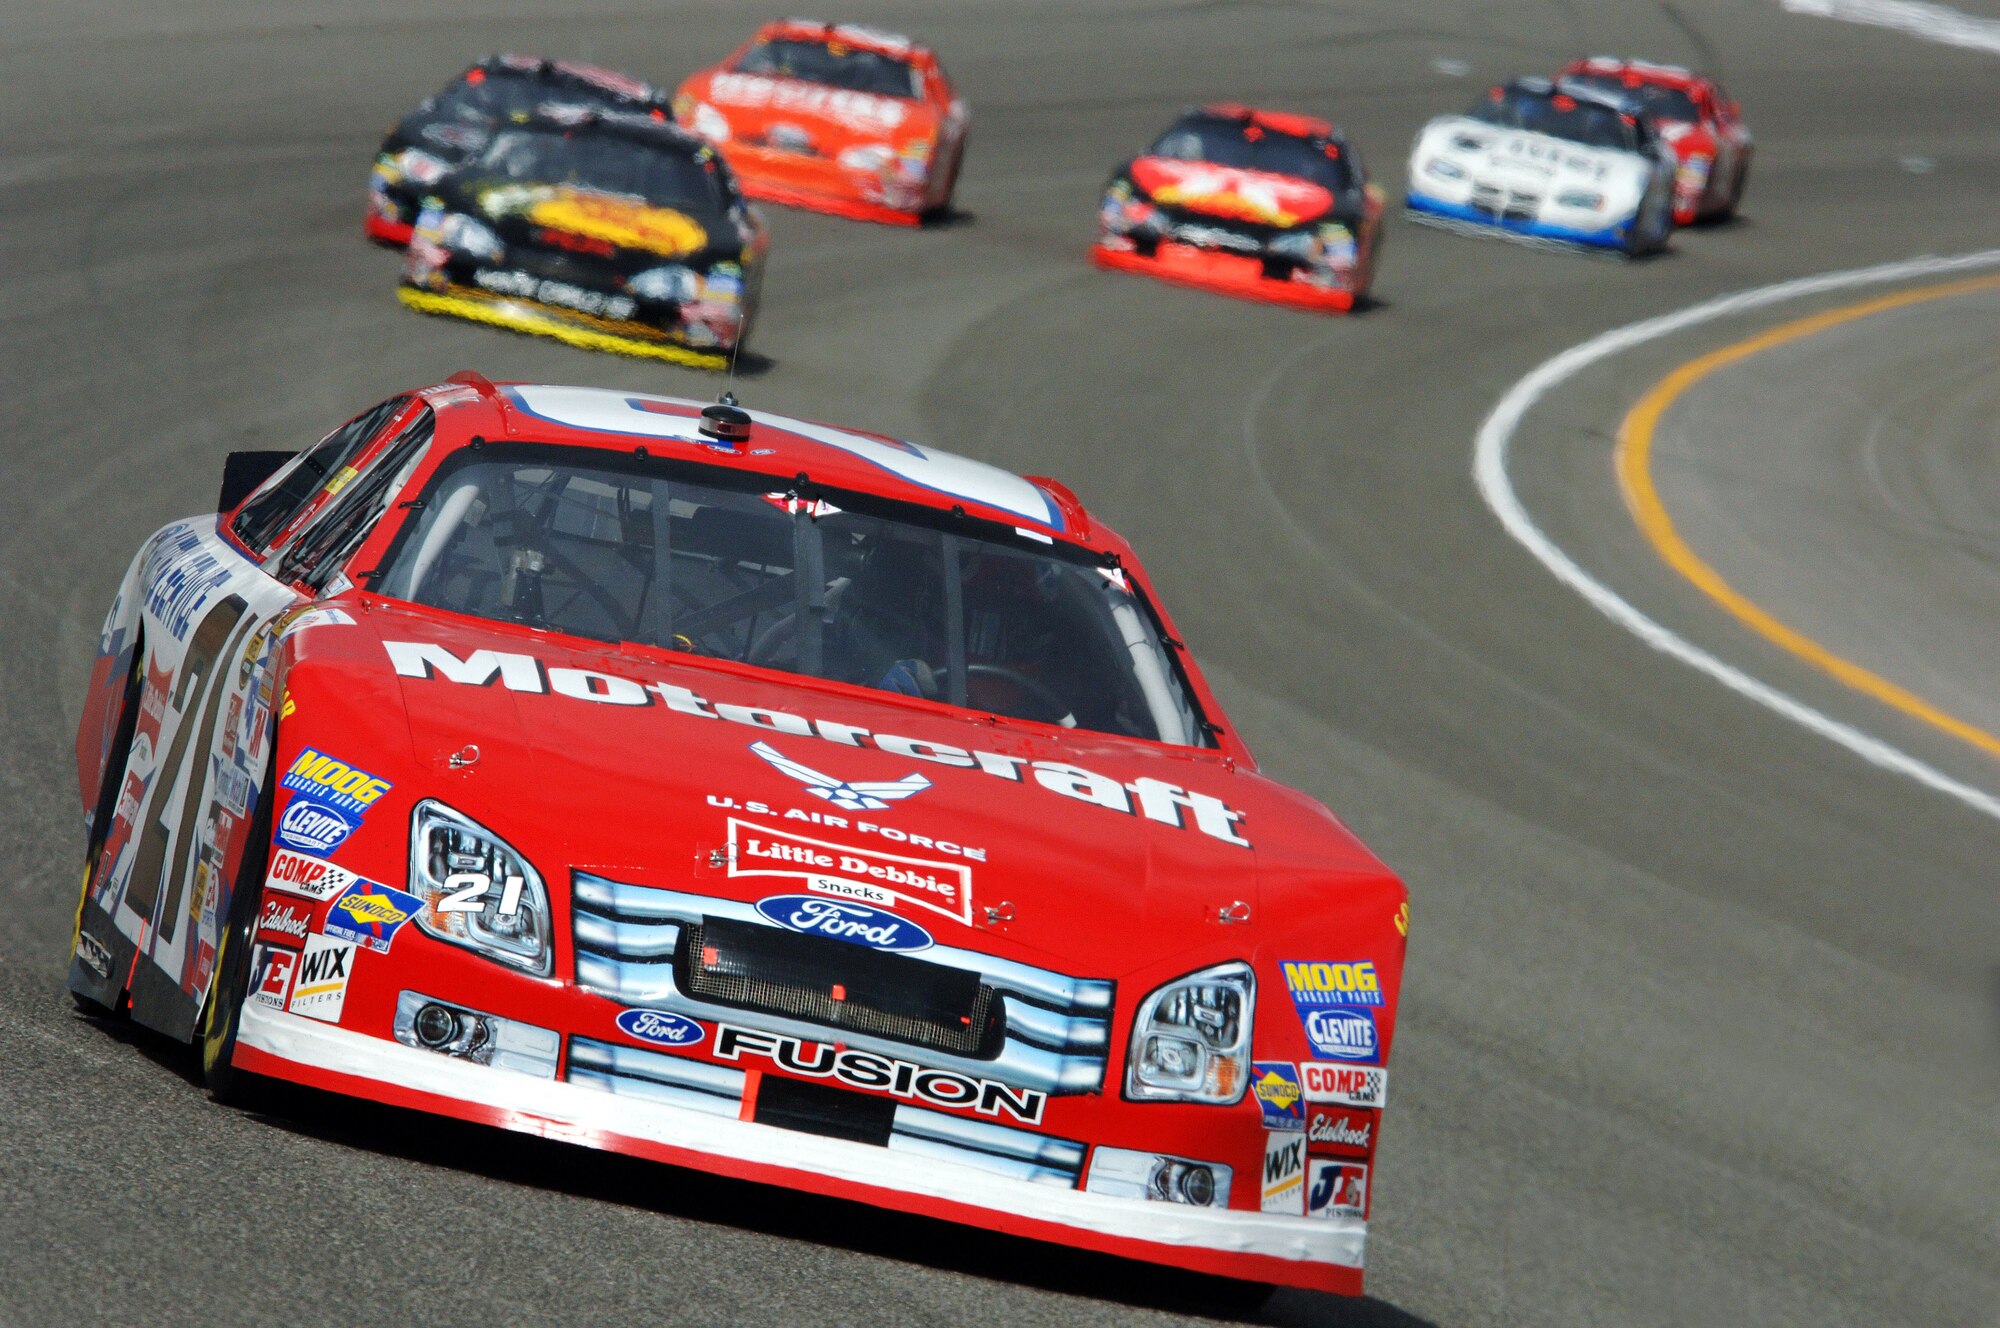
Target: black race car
(607, 231)
(458, 122)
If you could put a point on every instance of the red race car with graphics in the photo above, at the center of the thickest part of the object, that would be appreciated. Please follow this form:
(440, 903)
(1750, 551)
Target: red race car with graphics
(835, 118)
(1703, 126)
(1255, 204)
(718, 788)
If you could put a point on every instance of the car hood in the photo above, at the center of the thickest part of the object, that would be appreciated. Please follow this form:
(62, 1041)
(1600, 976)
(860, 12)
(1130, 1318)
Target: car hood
(1231, 193)
(828, 118)
(590, 221)
(1518, 156)
(734, 782)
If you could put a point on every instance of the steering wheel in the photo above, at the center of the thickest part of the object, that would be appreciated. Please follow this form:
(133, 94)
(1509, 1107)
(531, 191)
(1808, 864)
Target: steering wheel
(1058, 709)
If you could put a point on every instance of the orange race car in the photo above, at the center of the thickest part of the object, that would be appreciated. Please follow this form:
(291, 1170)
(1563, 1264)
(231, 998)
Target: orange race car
(1255, 204)
(832, 117)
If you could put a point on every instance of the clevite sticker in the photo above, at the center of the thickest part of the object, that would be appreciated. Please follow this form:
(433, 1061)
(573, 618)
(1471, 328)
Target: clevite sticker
(1285, 1173)
(313, 878)
(1276, 1085)
(310, 826)
(1345, 1085)
(334, 782)
(1343, 1035)
(857, 924)
(370, 913)
(1337, 1189)
(884, 1074)
(320, 988)
(859, 875)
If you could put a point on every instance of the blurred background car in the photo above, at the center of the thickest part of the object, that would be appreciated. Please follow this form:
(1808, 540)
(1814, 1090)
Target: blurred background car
(835, 118)
(1256, 204)
(1701, 124)
(1543, 160)
(609, 232)
(458, 121)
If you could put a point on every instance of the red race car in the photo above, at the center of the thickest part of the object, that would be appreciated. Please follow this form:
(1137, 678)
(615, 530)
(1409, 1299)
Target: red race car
(718, 788)
(1702, 125)
(1256, 204)
(835, 118)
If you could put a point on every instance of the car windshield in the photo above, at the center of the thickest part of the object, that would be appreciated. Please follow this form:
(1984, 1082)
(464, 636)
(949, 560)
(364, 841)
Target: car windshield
(1559, 117)
(873, 593)
(587, 158)
(835, 64)
(488, 96)
(1663, 102)
(1251, 146)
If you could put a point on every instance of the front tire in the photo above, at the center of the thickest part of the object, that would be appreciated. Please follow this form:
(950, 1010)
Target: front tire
(1651, 225)
(222, 1015)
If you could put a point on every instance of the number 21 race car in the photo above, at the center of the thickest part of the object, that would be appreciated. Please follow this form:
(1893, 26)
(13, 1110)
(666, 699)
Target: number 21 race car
(740, 793)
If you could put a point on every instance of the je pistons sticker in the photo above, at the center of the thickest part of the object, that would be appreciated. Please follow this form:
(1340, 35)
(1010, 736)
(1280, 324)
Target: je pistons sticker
(370, 913)
(858, 875)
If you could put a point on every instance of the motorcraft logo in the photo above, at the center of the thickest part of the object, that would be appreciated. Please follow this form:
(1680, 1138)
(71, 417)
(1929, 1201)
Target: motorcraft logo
(882, 1074)
(1345, 1085)
(312, 827)
(1343, 1131)
(661, 1028)
(857, 924)
(371, 914)
(855, 797)
(862, 876)
(1144, 796)
(314, 878)
(859, 109)
(1276, 1085)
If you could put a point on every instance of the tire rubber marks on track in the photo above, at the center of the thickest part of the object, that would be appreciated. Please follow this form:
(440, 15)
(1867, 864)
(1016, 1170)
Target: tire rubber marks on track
(1489, 466)
(1938, 23)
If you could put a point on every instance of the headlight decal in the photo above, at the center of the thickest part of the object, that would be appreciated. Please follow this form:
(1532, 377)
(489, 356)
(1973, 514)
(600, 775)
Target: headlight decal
(477, 890)
(1191, 1038)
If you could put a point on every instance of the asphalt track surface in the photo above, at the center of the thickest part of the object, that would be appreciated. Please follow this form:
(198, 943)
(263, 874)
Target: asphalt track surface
(1699, 1023)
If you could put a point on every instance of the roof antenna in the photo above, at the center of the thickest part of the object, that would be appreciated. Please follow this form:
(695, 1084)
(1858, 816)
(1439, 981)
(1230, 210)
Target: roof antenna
(726, 422)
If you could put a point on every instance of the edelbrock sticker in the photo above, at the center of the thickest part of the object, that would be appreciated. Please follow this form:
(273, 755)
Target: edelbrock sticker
(857, 924)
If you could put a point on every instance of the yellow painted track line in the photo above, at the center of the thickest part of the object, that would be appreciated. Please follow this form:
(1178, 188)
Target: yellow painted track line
(1633, 457)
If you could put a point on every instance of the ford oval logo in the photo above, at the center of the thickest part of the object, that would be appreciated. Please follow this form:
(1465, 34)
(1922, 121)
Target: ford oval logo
(660, 1028)
(857, 924)
(1343, 1035)
(312, 827)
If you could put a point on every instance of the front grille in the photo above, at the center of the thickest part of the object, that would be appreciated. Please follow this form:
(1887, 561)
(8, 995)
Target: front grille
(840, 985)
(950, 1009)
(1506, 204)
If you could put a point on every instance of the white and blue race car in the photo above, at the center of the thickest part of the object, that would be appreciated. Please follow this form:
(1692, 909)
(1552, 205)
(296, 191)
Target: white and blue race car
(1552, 161)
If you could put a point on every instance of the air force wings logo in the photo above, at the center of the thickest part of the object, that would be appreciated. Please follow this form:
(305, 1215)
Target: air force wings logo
(863, 797)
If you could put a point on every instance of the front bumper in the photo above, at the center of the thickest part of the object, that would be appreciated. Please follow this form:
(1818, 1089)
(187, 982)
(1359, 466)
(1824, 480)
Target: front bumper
(1237, 275)
(574, 328)
(1455, 216)
(1317, 1253)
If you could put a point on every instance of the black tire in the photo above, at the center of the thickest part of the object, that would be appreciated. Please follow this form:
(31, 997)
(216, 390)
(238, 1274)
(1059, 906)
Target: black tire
(1651, 225)
(221, 1016)
(1735, 198)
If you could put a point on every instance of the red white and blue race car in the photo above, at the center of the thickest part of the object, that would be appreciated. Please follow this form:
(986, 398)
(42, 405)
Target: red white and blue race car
(1700, 122)
(787, 802)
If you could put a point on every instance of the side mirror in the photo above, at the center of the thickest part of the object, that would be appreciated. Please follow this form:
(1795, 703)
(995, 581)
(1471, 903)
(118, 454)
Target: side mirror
(242, 472)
